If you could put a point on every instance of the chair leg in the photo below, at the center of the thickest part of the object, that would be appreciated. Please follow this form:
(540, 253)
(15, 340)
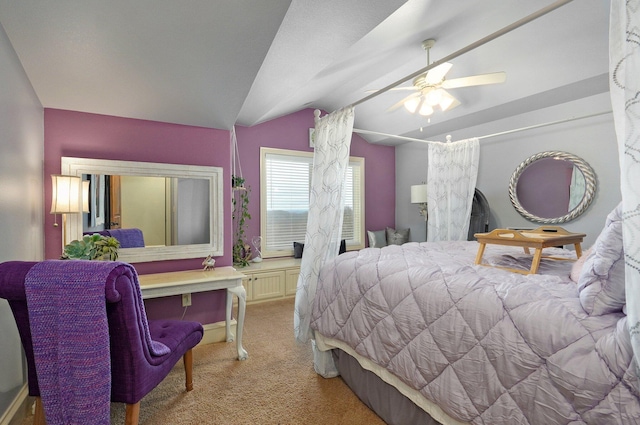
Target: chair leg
(38, 417)
(188, 368)
(132, 414)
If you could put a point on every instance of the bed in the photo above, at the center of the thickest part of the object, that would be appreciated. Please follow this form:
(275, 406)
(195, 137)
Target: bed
(422, 335)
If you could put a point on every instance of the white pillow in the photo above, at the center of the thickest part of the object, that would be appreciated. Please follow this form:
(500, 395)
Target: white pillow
(576, 269)
(601, 282)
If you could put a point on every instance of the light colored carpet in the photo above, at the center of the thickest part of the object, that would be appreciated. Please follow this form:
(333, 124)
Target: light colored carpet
(275, 385)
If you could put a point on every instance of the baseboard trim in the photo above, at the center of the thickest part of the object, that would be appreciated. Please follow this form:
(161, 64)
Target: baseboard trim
(18, 409)
(215, 332)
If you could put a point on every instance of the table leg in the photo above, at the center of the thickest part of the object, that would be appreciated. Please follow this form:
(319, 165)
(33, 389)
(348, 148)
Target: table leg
(480, 253)
(227, 318)
(578, 248)
(239, 292)
(536, 261)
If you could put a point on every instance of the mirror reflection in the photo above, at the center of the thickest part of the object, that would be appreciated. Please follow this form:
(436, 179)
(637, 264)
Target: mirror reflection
(166, 210)
(552, 187)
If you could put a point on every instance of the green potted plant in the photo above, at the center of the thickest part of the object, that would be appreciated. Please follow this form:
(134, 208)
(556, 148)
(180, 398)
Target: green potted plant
(92, 247)
(240, 201)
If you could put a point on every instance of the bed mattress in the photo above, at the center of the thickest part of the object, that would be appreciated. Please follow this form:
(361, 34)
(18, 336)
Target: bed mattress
(474, 344)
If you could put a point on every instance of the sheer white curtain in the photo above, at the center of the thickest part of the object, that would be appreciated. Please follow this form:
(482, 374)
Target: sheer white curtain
(324, 226)
(451, 183)
(624, 70)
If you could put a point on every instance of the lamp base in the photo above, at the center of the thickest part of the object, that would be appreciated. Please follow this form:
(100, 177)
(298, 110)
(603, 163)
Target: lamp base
(423, 211)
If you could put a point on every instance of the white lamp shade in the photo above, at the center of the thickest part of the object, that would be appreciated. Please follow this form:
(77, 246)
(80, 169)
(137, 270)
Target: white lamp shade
(419, 194)
(425, 109)
(434, 97)
(412, 104)
(66, 196)
(446, 100)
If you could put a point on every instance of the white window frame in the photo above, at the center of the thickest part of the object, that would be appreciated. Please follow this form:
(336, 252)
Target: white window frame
(359, 226)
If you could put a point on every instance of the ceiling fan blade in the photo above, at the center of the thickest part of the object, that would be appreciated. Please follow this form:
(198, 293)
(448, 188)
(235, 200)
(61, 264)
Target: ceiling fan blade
(401, 102)
(392, 89)
(475, 80)
(435, 75)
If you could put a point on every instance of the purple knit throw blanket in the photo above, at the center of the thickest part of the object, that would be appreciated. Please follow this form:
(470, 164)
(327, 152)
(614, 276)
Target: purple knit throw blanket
(68, 318)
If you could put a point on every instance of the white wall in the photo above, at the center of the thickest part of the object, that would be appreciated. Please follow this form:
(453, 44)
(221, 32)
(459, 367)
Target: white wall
(591, 139)
(21, 197)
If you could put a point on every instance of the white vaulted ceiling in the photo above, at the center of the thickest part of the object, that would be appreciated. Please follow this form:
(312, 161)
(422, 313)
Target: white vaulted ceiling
(219, 63)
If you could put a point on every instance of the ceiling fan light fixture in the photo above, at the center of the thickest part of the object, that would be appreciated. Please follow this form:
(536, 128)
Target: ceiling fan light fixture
(434, 97)
(425, 109)
(446, 100)
(411, 105)
(430, 88)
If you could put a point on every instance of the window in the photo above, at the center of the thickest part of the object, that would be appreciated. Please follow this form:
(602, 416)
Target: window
(284, 200)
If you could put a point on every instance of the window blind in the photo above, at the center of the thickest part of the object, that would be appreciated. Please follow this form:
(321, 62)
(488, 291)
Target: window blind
(285, 200)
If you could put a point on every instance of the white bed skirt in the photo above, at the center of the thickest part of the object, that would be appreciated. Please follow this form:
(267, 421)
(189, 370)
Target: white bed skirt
(324, 344)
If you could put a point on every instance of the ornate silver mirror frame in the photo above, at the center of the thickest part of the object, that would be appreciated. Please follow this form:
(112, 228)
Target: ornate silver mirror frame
(589, 192)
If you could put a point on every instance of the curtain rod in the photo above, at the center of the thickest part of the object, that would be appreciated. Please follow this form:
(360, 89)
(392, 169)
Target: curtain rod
(470, 47)
(546, 124)
(410, 139)
(502, 133)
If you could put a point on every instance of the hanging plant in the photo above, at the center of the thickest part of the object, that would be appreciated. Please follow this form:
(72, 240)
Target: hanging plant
(240, 202)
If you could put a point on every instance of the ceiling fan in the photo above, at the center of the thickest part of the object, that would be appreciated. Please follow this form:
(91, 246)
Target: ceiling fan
(429, 88)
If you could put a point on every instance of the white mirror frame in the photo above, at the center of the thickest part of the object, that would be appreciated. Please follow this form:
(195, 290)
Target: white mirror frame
(79, 166)
(583, 166)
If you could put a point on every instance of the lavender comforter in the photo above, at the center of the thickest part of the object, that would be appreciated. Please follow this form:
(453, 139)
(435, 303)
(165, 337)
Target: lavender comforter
(486, 345)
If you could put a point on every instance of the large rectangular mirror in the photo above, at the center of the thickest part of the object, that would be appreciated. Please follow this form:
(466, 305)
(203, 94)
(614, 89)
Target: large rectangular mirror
(176, 209)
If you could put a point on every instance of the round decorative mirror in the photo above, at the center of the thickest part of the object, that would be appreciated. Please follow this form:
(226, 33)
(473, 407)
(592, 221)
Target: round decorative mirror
(552, 187)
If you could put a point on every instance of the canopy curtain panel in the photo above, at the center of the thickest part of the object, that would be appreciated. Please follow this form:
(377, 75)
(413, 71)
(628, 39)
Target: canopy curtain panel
(452, 174)
(324, 226)
(624, 68)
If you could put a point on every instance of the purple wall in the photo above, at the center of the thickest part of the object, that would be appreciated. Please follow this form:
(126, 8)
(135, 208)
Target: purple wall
(544, 187)
(84, 135)
(292, 132)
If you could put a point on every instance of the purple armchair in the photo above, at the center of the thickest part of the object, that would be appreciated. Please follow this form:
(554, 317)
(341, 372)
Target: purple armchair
(141, 351)
(128, 238)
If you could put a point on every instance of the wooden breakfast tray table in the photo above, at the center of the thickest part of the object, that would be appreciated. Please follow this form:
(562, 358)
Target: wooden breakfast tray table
(540, 238)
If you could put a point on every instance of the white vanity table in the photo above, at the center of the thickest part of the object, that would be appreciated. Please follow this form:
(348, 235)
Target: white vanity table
(190, 281)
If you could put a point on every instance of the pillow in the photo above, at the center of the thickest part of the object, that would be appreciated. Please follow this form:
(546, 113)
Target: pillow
(397, 237)
(298, 248)
(576, 269)
(601, 282)
(377, 238)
